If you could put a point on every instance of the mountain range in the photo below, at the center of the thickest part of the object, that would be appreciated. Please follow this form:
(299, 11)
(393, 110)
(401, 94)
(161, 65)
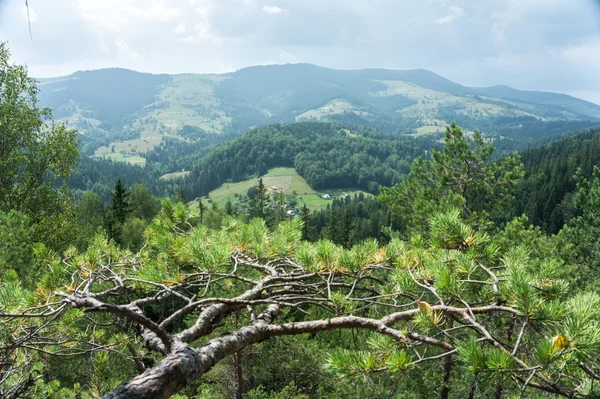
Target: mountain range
(136, 111)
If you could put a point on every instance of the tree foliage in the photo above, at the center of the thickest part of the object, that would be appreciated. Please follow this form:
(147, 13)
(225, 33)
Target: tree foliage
(460, 176)
(36, 154)
(327, 155)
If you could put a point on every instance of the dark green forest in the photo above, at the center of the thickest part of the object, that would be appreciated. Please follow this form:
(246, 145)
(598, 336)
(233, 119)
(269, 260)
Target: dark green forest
(545, 195)
(325, 154)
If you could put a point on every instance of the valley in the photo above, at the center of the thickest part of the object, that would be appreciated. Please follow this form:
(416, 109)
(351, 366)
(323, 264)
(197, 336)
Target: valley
(290, 230)
(121, 127)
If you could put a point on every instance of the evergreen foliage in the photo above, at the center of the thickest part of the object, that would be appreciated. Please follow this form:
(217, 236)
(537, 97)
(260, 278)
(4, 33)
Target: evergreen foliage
(545, 194)
(327, 155)
(459, 177)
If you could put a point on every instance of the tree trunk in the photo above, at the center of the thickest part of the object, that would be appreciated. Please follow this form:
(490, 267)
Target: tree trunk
(498, 391)
(444, 394)
(239, 378)
(184, 364)
(166, 378)
(472, 389)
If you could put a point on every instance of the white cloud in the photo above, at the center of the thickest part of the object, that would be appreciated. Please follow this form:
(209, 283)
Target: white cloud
(157, 12)
(274, 10)
(498, 36)
(180, 28)
(287, 58)
(453, 13)
(586, 52)
(33, 17)
(124, 48)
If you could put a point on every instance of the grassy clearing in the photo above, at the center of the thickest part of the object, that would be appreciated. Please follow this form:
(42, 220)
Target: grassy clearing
(190, 100)
(149, 138)
(175, 175)
(185, 100)
(279, 179)
(429, 130)
(118, 157)
(395, 87)
(331, 108)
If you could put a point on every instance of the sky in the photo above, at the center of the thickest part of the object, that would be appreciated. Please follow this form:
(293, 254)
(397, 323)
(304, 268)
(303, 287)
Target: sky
(549, 45)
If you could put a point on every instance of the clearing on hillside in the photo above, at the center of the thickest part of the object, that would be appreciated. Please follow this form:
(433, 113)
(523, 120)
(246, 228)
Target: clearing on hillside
(175, 175)
(285, 180)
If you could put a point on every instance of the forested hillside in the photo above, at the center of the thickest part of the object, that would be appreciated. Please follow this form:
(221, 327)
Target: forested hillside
(124, 115)
(327, 155)
(545, 194)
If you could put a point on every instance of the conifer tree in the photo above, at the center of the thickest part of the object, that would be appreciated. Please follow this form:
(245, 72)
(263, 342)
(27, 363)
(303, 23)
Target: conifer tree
(118, 211)
(346, 229)
(120, 202)
(229, 209)
(461, 176)
(260, 201)
(201, 208)
(308, 224)
(181, 195)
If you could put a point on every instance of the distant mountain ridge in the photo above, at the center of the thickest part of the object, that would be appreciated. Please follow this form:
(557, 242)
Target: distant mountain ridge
(116, 105)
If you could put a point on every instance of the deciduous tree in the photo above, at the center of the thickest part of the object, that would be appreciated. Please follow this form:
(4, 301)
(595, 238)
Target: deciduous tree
(36, 155)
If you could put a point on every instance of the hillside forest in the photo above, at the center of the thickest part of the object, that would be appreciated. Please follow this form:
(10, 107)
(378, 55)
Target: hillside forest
(461, 264)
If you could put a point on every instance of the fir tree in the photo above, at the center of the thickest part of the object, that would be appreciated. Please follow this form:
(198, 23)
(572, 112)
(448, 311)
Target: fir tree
(346, 229)
(181, 195)
(260, 201)
(229, 209)
(201, 208)
(120, 202)
(118, 211)
(308, 225)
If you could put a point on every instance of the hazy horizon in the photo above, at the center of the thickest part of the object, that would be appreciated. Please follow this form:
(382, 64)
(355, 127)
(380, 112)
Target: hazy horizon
(551, 46)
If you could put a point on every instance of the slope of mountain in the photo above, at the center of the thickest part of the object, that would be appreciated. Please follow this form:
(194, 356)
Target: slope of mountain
(572, 104)
(124, 112)
(326, 154)
(545, 194)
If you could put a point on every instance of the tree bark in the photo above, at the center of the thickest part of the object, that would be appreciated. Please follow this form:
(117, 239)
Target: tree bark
(444, 394)
(239, 378)
(185, 364)
(472, 389)
(498, 391)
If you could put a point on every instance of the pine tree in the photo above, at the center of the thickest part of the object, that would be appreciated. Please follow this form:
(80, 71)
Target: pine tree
(201, 208)
(120, 202)
(308, 225)
(118, 211)
(260, 201)
(346, 229)
(229, 209)
(181, 195)
(332, 225)
(461, 176)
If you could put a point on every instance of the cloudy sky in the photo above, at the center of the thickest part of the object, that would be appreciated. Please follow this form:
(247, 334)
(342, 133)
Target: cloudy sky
(551, 45)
